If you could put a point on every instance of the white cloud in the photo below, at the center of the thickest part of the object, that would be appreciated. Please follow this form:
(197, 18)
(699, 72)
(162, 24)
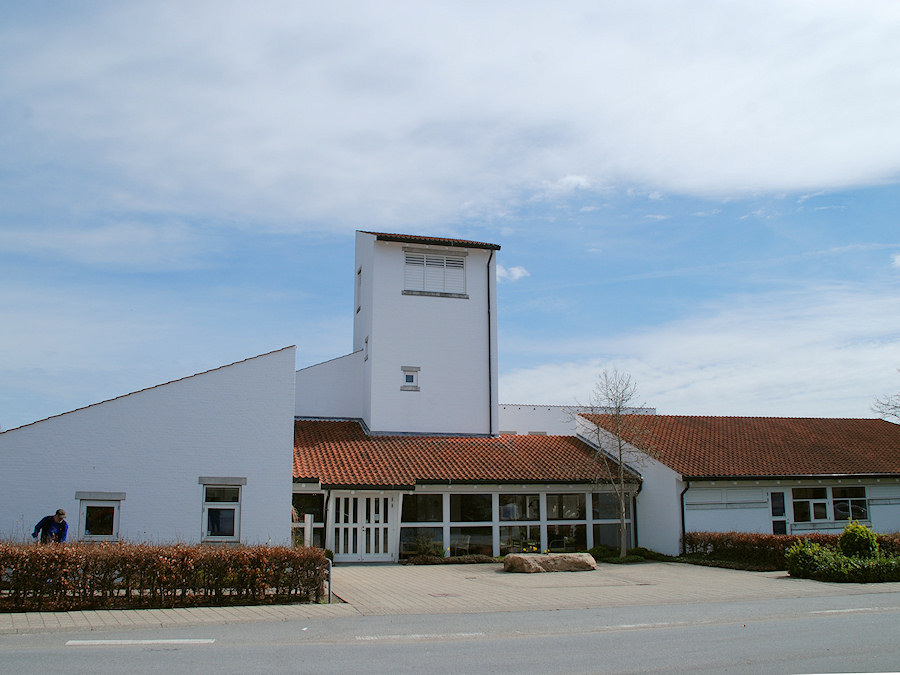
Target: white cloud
(511, 273)
(895, 260)
(324, 115)
(825, 352)
(120, 244)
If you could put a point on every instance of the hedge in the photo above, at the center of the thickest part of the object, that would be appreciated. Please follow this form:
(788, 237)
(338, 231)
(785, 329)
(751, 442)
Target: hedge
(808, 560)
(765, 550)
(91, 576)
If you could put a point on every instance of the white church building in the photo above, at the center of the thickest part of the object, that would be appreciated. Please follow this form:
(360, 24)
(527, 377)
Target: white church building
(404, 440)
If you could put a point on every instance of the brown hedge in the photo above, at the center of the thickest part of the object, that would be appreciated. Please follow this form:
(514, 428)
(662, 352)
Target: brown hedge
(764, 550)
(94, 576)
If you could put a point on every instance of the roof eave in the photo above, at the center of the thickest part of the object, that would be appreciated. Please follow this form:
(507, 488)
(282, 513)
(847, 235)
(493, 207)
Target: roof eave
(800, 476)
(435, 241)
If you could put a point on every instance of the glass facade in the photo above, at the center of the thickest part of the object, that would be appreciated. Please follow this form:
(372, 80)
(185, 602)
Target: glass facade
(471, 540)
(423, 508)
(565, 506)
(566, 538)
(470, 508)
(520, 539)
(520, 507)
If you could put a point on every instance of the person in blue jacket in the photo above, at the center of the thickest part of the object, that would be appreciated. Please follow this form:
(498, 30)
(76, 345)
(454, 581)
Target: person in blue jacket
(52, 528)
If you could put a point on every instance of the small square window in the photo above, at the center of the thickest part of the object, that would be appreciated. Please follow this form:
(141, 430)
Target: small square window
(221, 512)
(410, 380)
(99, 520)
(98, 515)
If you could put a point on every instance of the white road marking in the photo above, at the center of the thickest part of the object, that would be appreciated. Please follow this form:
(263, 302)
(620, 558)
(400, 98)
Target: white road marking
(419, 636)
(847, 611)
(123, 643)
(642, 625)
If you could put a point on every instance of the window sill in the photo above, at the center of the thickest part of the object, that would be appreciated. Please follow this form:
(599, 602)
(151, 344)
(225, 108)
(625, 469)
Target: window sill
(408, 388)
(824, 525)
(436, 294)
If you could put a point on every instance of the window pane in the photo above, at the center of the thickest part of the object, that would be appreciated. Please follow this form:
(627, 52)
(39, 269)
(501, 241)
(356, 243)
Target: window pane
(314, 504)
(520, 507)
(222, 494)
(562, 538)
(470, 508)
(779, 527)
(841, 509)
(608, 535)
(470, 540)
(801, 512)
(99, 520)
(565, 507)
(412, 538)
(810, 493)
(859, 509)
(520, 539)
(849, 492)
(778, 504)
(220, 522)
(423, 509)
(606, 507)
(819, 511)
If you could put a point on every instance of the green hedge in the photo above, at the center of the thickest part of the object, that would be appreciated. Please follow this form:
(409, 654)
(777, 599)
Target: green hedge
(809, 560)
(762, 550)
(92, 576)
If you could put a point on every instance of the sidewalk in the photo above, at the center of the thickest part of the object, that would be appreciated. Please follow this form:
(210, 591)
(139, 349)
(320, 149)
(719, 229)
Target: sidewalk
(433, 589)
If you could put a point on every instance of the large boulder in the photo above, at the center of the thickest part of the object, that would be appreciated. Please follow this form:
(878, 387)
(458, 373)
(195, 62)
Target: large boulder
(551, 562)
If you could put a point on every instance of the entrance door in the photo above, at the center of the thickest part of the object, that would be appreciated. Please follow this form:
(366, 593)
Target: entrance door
(362, 528)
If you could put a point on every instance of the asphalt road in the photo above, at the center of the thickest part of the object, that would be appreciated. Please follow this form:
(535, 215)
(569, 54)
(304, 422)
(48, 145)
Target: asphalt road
(842, 633)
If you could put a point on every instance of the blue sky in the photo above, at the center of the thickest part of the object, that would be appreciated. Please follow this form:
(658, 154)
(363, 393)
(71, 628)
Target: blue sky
(702, 194)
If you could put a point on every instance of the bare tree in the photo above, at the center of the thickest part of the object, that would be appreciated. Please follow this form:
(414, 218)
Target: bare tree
(620, 432)
(888, 406)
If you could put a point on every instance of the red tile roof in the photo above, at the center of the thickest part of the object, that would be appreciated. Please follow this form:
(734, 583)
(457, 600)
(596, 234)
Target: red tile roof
(770, 446)
(341, 454)
(437, 241)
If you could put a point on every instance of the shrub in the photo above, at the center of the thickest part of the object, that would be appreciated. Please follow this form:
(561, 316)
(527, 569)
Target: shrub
(802, 558)
(811, 561)
(858, 540)
(760, 551)
(600, 552)
(89, 576)
(423, 545)
(617, 560)
(647, 554)
(468, 559)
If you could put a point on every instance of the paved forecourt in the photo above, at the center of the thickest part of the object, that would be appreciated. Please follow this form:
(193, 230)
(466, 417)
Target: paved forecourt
(383, 589)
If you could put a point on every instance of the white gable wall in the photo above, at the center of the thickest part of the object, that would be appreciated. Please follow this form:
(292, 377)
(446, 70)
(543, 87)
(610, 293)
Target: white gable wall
(153, 445)
(659, 508)
(332, 389)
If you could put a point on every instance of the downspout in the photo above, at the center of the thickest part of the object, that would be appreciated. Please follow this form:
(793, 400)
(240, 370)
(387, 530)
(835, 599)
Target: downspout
(490, 350)
(687, 486)
(634, 514)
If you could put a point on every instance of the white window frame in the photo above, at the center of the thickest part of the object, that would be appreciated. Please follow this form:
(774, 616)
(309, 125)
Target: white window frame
(88, 500)
(221, 482)
(407, 383)
(811, 503)
(853, 503)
